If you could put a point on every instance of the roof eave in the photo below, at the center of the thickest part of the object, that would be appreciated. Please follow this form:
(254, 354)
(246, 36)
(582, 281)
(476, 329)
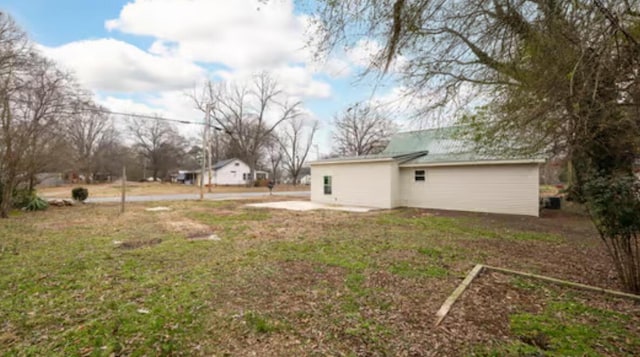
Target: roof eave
(351, 161)
(476, 163)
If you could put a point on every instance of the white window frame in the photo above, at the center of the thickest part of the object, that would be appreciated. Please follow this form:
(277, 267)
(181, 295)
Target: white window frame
(326, 185)
(419, 175)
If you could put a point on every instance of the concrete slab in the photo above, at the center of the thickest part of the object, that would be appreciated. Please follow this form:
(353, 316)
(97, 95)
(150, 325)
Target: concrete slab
(308, 206)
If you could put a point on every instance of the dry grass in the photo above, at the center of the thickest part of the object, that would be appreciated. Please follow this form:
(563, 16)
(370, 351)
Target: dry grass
(154, 188)
(298, 283)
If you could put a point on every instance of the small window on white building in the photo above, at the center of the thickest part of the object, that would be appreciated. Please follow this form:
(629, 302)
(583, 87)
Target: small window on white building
(245, 176)
(237, 164)
(419, 176)
(327, 185)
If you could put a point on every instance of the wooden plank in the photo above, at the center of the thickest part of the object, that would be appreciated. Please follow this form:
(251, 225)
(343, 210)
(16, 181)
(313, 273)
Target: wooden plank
(565, 283)
(444, 309)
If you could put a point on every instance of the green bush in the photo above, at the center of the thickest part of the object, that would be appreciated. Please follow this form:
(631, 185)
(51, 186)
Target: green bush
(36, 204)
(22, 197)
(614, 205)
(26, 199)
(80, 194)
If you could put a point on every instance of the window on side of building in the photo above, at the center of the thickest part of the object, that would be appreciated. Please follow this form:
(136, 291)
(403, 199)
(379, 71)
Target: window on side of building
(327, 185)
(419, 175)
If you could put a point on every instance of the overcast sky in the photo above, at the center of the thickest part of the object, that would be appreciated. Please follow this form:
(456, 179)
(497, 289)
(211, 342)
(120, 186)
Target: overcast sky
(144, 55)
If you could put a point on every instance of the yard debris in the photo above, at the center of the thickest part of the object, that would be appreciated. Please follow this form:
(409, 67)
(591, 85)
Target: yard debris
(139, 243)
(442, 313)
(565, 283)
(158, 209)
(61, 203)
(203, 236)
(444, 309)
(143, 311)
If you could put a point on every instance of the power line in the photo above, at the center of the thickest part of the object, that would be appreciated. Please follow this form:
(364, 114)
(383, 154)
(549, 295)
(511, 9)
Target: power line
(90, 108)
(153, 117)
(142, 116)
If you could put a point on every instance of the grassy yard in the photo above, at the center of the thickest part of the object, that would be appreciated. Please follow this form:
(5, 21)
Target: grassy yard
(154, 188)
(85, 280)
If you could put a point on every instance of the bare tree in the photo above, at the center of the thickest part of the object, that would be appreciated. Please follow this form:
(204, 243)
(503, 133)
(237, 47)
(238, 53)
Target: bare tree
(110, 155)
(14, 53)
(159, 143)
(33, 94)
(247, 113)
(89, 130)
(362, 129)
(274, 157)
(39, 105)
(296, 140)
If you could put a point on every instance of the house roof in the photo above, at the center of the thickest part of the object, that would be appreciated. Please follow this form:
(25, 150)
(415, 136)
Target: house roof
(447, 146)
(222, 163)
(216, 166)
(370, 158)
(442, 146)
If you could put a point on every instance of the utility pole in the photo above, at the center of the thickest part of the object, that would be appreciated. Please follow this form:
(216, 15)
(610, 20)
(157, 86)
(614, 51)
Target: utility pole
(208, 117)
(124, 188)
(205, 133)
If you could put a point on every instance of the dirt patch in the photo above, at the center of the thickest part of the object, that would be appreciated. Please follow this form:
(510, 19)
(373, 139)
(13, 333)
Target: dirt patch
(139, 243)
(187, 227)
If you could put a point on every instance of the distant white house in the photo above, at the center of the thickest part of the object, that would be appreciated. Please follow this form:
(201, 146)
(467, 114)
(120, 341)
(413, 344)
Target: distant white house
(430, 169)
(49, 179)
(226, 172)
(305, 180)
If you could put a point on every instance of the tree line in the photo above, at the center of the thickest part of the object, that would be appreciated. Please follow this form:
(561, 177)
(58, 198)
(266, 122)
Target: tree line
(49, 123)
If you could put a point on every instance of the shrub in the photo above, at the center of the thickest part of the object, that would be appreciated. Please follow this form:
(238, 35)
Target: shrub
(261, 183)
(22, 197)
(80, 194)
(614, 205)
(36, 204)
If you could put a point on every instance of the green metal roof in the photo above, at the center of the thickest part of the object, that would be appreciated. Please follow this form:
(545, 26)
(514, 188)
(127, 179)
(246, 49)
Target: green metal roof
(376, 157)
(444, 145)
(431, 146)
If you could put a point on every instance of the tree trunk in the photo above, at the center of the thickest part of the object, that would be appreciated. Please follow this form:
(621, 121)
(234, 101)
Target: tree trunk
(32, 184)
(7, 198)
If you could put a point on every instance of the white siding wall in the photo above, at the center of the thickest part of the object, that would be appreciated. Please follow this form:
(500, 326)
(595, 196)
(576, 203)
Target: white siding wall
(231, 174)
(509, 189)
(355, 184)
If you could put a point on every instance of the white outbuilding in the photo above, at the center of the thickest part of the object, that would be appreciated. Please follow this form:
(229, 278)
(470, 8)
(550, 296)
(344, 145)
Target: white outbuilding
(430, 169)
(224, 173)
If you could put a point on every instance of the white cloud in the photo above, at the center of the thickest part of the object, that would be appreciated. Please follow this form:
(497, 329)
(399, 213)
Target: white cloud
(334, 67)
(245, 34)
(126, 105)
(366, 52)
(113, 65)
(296, 81)
(174, 105)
